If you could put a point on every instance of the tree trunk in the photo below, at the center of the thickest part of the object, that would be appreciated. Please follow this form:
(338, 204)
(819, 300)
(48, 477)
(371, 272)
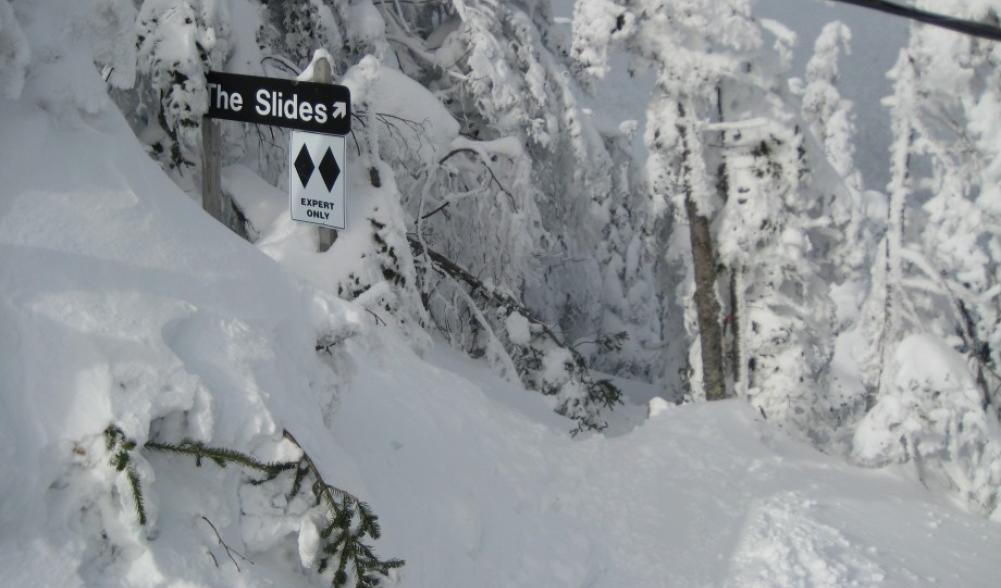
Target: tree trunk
(735, 296)
(706, 305)
(704, 263)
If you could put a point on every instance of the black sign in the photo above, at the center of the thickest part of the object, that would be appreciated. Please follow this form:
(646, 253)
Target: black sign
(307, 106)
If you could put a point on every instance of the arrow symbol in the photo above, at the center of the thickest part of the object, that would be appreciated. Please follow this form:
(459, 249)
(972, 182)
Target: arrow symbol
(340, 110)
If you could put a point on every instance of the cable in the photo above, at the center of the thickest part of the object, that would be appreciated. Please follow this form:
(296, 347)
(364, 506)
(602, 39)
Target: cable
(968, 27)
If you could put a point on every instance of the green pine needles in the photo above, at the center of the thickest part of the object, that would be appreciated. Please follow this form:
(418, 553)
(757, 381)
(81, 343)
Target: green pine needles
(343, 543)
(121, 447)
(222, 456)
(350, 522)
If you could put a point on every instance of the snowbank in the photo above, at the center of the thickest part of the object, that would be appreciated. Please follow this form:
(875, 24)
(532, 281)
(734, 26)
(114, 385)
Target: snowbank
(123, 304)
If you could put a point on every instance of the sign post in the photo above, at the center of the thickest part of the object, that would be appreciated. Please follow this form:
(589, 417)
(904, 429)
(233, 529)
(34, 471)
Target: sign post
(325, 237)
(213, 199)
(319, 114)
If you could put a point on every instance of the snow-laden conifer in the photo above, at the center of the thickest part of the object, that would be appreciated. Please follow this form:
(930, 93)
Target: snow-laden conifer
(178, 41)
(15, 53)
(938, 277)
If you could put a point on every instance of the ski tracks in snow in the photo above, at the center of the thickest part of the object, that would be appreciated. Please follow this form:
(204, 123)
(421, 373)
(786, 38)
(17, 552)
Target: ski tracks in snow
(784, 544)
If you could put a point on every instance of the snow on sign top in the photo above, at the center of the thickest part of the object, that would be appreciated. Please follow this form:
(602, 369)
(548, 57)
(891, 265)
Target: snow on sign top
(306, 106)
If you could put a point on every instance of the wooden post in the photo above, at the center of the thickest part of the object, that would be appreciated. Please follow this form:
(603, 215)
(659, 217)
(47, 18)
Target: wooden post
(213, 200)
(322, 75)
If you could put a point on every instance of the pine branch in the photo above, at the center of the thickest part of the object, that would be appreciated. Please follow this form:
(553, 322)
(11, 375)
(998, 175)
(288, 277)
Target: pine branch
(221, 456)
(351, 520)
(340, 541)
(121, 448)
(137, 494)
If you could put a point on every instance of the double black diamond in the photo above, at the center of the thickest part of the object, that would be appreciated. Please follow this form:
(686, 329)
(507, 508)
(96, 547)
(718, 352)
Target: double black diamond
(329, 170)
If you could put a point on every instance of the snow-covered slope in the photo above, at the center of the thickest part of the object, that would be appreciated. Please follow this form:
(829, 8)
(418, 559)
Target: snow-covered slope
(123, 304)
(479, 485)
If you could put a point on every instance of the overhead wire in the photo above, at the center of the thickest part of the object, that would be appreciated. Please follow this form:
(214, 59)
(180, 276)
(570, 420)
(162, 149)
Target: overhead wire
(968, 27)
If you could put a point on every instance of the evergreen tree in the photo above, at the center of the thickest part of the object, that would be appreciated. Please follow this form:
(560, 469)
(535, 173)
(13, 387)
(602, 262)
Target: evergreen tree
(469, 155)
(14, 52)
(726, 155)
(177, 42)
(830, 118)
(939, 272)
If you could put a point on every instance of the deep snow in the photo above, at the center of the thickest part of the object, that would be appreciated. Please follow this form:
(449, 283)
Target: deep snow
(121, 302)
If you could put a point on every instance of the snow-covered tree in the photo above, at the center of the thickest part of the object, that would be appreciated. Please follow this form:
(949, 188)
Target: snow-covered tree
(178, 41)
(691, 60)
(782, 314)
(831, 120)
(450, 147)
(524, 170)
(14, 52)
(629, 340)
(939, 274)
(726, 154)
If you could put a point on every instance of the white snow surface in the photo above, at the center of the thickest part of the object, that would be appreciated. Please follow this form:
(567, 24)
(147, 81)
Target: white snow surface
(122, 302)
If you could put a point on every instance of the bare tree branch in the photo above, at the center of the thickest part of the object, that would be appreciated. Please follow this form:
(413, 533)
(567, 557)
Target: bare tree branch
(493, 176)
(229, 551)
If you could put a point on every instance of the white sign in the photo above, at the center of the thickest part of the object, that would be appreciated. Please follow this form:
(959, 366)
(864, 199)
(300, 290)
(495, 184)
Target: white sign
(316, 177)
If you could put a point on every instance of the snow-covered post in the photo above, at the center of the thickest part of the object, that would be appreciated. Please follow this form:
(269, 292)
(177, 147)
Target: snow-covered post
(320, 69)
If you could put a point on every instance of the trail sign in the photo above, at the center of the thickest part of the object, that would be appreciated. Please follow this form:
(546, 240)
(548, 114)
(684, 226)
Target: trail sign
(306, 106)
(316, 179)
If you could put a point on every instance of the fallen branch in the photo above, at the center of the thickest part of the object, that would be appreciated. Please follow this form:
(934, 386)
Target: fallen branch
(490, 170)
(529, 357)
(350, 520)
(229, 551)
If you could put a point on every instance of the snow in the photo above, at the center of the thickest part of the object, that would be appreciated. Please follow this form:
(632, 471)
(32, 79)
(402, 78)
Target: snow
(517, 328)
(123, 303)
(144, 306)
(658, 406)
(14, 52)
(876, 38)
(693, 497)
(933, 416)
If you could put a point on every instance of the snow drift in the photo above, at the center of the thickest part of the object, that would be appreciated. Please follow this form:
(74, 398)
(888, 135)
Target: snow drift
(126, 309)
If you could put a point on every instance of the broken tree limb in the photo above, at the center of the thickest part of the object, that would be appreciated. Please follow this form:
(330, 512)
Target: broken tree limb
(493, 176)
(580, 396)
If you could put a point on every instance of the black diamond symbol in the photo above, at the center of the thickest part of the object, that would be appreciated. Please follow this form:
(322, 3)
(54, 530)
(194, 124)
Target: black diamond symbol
(329, 170)
(304, 165)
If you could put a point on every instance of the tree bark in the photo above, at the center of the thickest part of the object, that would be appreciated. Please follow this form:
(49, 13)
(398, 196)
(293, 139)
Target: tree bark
(704, 264)
(706, 305)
